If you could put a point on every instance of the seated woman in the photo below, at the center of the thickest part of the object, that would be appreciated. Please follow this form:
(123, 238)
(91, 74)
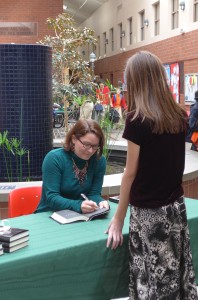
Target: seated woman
(77, 168)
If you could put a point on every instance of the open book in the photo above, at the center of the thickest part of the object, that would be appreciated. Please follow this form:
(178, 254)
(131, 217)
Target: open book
(68, 216)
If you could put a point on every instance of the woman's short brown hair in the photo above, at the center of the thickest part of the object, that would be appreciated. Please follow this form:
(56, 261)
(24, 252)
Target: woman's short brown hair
(81, 128)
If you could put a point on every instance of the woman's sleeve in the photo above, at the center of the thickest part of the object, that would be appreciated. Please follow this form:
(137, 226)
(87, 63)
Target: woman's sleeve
(96, 187)
(52, 170)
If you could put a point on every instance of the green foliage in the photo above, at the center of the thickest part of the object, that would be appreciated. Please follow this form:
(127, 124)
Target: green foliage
(70, 71)
(107, 130)
(12, 155)
(69, 66)
(110, 86)
(107, 126)
(79, 100)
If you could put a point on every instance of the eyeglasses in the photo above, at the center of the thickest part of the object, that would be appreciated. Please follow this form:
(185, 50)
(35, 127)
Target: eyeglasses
(88, 146)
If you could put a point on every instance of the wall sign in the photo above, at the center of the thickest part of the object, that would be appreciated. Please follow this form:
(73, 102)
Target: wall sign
(191, 86)
(172, 72)
(18, 28)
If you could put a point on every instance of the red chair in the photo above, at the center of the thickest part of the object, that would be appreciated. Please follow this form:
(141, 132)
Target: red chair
(23, 201)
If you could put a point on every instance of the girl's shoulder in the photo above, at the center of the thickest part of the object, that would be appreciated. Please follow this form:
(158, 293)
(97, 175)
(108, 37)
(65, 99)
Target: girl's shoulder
(138, 121)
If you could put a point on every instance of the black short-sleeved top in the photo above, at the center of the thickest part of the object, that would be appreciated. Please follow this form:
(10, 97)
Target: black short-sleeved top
(158, 180)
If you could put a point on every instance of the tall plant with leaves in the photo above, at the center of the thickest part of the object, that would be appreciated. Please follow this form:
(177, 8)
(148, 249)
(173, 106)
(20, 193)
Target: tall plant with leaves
(110, 134)
(110, 86)
(70, 71)
(12, 155)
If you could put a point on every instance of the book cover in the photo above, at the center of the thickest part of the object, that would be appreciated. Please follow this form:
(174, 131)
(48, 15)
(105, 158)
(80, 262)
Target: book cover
(13, 234)
(68, 216)
(15, 248)
(16, 242)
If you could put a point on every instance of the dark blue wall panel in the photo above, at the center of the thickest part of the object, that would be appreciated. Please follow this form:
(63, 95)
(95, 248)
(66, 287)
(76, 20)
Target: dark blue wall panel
(26, 102)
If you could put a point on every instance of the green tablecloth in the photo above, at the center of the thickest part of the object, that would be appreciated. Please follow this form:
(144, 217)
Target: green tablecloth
(64, 262)
(71, 261)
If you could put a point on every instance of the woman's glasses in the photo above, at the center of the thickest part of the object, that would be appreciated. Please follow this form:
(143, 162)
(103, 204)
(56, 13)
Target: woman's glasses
(87, 146)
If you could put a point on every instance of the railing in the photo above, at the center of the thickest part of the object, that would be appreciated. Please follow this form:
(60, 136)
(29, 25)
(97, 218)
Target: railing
(59, 121)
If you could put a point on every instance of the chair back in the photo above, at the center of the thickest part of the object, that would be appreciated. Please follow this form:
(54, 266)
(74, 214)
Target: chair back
(23, 201)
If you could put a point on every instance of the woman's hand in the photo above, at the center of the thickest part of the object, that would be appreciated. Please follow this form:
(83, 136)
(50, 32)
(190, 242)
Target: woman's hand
(104, 204)
(114, 231)
(88, 206)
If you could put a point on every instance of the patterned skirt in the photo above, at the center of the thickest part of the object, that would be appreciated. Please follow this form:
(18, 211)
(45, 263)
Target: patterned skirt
(160, 261)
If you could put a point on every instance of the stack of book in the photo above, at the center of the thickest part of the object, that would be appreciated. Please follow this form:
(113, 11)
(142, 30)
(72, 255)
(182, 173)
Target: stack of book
(14, 239)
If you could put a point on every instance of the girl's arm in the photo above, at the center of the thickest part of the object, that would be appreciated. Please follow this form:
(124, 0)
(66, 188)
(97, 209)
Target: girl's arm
(114, 230)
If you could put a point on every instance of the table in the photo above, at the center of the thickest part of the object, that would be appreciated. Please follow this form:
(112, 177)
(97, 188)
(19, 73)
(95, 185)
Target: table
(64, 262)
(71, 261)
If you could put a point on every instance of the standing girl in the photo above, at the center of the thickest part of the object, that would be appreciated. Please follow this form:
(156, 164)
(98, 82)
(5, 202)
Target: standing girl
(160, 260)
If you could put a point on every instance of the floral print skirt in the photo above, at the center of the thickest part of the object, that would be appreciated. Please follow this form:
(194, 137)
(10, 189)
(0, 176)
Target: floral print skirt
(160, 261)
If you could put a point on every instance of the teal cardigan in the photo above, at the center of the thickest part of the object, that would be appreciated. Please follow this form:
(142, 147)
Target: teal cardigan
(61, 190)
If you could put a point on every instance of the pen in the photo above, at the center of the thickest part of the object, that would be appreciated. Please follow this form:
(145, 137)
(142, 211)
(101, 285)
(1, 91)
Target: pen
(84, 197)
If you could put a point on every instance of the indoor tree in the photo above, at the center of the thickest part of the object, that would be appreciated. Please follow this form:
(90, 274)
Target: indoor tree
(71, 73)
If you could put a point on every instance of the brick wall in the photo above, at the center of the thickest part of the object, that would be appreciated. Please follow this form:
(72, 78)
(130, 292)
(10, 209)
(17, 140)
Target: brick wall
(191, 66)
(182, 49)
(35, 11)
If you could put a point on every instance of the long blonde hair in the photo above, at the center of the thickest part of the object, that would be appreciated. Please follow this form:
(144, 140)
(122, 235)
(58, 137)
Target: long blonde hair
(149, 95)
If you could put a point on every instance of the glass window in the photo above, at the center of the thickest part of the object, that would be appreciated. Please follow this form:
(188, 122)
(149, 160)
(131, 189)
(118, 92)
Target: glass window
(195, 10)
(112, 39)
(130, 31)
(105, 42)
(142, 29)
(98, 46)
(120, 33)
(157, 18)
(175, 13)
